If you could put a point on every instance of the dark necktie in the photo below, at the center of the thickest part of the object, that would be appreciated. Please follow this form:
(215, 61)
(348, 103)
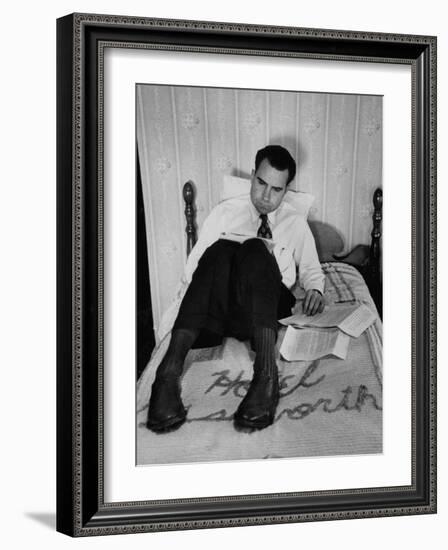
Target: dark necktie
(264, 230)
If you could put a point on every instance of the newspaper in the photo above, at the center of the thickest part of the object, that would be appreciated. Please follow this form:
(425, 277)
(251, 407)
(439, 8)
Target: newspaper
(241, 237)
(308, 344)
(351, 319)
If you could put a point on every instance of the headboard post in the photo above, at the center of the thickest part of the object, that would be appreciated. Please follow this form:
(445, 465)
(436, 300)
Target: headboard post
(374, 259)
(188, 194)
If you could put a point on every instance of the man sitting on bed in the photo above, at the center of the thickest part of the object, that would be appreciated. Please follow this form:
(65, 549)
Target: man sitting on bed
(241, 289)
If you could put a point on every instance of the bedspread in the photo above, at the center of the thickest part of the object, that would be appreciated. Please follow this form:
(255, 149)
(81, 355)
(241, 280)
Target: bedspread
(327, 407)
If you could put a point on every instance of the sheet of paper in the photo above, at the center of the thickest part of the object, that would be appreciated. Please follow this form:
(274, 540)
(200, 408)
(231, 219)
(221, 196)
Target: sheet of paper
(330, 317)
(358, 321)
(241, 237)
(308, 344)
(352, 319)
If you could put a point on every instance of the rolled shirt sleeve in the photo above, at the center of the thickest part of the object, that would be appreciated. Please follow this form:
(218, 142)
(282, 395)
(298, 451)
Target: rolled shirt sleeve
(310, 272)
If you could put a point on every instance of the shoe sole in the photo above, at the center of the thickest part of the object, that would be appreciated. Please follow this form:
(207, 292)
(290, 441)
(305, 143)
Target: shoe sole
(245, 423)
(252, 425)
(168, 426)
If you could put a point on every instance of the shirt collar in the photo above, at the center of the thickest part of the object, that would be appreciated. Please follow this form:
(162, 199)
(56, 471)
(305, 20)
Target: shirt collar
(255, 215)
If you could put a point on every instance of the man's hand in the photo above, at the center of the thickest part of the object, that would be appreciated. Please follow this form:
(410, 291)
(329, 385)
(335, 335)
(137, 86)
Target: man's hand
(313, 303)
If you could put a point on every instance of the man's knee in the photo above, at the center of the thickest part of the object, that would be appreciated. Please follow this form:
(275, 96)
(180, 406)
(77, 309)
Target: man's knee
(255, 259)
(220, 251)
(255, 250)
(254, 247)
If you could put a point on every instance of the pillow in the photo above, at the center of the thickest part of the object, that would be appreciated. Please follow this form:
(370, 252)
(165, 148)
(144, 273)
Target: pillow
(234, 186)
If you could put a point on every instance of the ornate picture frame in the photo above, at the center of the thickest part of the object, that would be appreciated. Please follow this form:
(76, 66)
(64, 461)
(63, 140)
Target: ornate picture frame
(81, 506)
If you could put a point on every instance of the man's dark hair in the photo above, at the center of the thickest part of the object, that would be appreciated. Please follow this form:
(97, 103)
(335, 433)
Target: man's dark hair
(279, 158)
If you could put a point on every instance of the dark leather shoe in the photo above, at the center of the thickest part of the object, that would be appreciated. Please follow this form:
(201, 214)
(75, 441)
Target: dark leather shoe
(257, 409)
(166, 411)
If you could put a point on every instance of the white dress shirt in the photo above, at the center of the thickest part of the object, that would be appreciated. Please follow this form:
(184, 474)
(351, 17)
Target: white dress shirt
(294, 242)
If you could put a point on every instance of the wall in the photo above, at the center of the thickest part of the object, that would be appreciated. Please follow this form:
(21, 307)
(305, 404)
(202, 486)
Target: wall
(28, 296)
(204, 133)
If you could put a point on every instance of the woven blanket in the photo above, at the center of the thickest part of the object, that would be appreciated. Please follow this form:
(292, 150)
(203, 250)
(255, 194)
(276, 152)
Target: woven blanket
(327, 407)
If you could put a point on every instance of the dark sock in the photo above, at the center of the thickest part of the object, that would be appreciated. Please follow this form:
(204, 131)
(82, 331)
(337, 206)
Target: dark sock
(264, 345)
(180, 344)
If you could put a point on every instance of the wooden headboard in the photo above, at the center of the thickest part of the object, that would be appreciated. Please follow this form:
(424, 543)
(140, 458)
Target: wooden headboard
(329, 242)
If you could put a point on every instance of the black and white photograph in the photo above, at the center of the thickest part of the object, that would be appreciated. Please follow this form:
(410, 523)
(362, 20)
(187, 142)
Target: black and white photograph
(258, 274)
(222, 297)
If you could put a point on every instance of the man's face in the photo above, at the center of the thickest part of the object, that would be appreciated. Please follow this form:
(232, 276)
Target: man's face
(268, 187)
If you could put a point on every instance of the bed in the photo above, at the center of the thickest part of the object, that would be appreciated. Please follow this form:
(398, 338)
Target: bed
(327, 407)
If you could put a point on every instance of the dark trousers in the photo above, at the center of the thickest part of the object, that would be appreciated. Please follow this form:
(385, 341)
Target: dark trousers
(235, 288)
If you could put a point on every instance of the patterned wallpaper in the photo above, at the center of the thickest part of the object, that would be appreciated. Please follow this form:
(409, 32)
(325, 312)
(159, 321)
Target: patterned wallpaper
(201, 134)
